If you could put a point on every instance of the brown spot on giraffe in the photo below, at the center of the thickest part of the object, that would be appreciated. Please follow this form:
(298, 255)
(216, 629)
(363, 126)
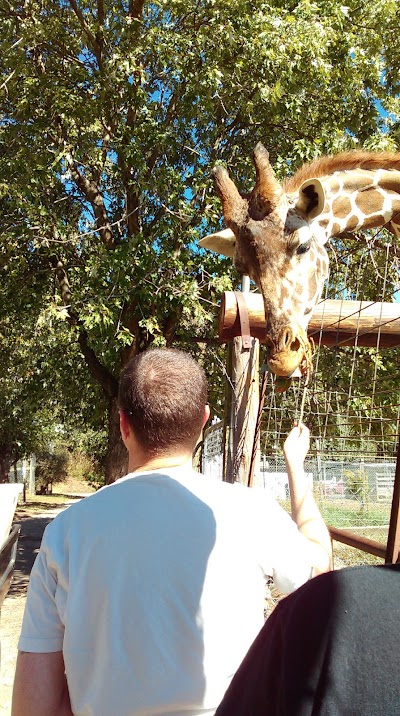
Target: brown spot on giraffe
(375, 221)
(341, 207)
(369, 202)
(355, 184)
(387, 183)
(336, 229)
(352, 223)
(334, 186)
(324, 223)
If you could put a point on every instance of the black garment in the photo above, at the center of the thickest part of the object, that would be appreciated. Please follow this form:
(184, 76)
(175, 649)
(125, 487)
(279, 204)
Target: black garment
(332, 648)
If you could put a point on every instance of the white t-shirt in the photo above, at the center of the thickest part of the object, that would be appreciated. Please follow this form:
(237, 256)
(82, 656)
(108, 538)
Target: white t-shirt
(154, 588)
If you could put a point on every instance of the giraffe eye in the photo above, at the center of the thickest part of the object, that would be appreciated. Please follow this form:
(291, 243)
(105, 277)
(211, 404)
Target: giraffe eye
(303, 248)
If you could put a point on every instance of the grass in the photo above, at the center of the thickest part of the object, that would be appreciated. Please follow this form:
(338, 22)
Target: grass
(345, 556)
(35, 504)
(348, 513)
(369, 521)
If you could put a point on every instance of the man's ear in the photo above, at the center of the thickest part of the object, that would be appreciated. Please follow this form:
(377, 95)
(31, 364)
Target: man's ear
(124, 426)
(206, 414)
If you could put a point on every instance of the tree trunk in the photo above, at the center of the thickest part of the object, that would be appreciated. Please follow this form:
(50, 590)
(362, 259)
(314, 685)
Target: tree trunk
(5, 462)
(117, 456)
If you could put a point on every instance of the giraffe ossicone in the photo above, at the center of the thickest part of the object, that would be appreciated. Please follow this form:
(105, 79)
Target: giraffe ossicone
(277, 234)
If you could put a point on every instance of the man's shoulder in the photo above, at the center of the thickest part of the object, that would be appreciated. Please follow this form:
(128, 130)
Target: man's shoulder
(254, 504)
(78, 510)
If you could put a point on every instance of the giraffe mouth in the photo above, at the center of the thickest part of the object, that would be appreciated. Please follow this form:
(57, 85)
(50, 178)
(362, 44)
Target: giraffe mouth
(285, 363)
(292, 359)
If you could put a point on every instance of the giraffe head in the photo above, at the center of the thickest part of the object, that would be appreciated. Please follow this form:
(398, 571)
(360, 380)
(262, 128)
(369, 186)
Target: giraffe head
(273, 238)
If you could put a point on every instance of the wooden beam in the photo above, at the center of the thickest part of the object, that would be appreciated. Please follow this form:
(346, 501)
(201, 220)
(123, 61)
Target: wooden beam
(333, 322)
(362, 543)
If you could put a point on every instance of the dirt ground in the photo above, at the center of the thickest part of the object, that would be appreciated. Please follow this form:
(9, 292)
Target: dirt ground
(33, 519)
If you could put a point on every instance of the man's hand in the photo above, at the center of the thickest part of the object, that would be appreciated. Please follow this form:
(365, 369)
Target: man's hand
(297, 445)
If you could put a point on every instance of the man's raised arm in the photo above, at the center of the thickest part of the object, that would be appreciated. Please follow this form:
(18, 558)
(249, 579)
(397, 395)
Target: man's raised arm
(303, 506)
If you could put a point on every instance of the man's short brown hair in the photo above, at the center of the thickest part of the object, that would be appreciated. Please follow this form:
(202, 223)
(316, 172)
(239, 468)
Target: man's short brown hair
(164, 392)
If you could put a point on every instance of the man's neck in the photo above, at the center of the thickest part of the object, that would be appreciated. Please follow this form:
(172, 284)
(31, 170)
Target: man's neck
(138, 463)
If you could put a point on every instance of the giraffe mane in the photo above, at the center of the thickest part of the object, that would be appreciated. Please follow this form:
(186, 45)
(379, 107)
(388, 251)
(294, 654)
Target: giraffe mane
(325, 166)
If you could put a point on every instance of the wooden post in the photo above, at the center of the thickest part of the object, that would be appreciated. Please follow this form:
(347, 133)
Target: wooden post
(25, 476)
(245, 400)
(227, 430)
(244, 407)
(393, 542)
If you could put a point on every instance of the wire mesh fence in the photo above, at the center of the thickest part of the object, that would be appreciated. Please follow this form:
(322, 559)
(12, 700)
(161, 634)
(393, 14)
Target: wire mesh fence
(351, 405)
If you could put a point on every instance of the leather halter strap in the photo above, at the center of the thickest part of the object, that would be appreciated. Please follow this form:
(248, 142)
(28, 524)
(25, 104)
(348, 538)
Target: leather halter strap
(243, 320)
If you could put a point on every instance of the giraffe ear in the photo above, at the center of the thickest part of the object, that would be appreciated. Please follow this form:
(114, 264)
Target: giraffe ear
(311, 199)
(223, 242)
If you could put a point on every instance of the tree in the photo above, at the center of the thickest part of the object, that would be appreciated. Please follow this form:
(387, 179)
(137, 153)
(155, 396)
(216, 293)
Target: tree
(51, 467)
(44, 386)
(112, 116)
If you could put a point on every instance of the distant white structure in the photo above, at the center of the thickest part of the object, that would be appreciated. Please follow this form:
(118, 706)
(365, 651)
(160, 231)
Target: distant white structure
(277, 483)
(8, 502)
(24, 473)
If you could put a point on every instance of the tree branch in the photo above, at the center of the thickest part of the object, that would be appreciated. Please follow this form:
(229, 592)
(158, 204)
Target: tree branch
(91, 191)
(103, 376)
(63, 283)
(131, 199)
(135, 9)
(92, 39)
(170, 115)
(98, 371)
(100, 12)
(169, 328)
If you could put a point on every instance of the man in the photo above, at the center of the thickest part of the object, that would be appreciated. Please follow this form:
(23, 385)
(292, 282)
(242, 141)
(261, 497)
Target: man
(150, 592)
(330, 649)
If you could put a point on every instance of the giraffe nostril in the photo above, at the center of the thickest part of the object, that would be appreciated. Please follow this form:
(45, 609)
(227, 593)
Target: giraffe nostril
(286, 337)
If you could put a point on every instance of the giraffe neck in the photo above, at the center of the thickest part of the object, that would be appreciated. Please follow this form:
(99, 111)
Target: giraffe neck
(360, 199)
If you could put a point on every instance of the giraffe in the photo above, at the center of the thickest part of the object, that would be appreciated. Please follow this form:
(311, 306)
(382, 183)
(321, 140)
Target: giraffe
(277, 235)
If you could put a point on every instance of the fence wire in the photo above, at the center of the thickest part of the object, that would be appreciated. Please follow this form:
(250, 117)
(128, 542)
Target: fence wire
(352, 405)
